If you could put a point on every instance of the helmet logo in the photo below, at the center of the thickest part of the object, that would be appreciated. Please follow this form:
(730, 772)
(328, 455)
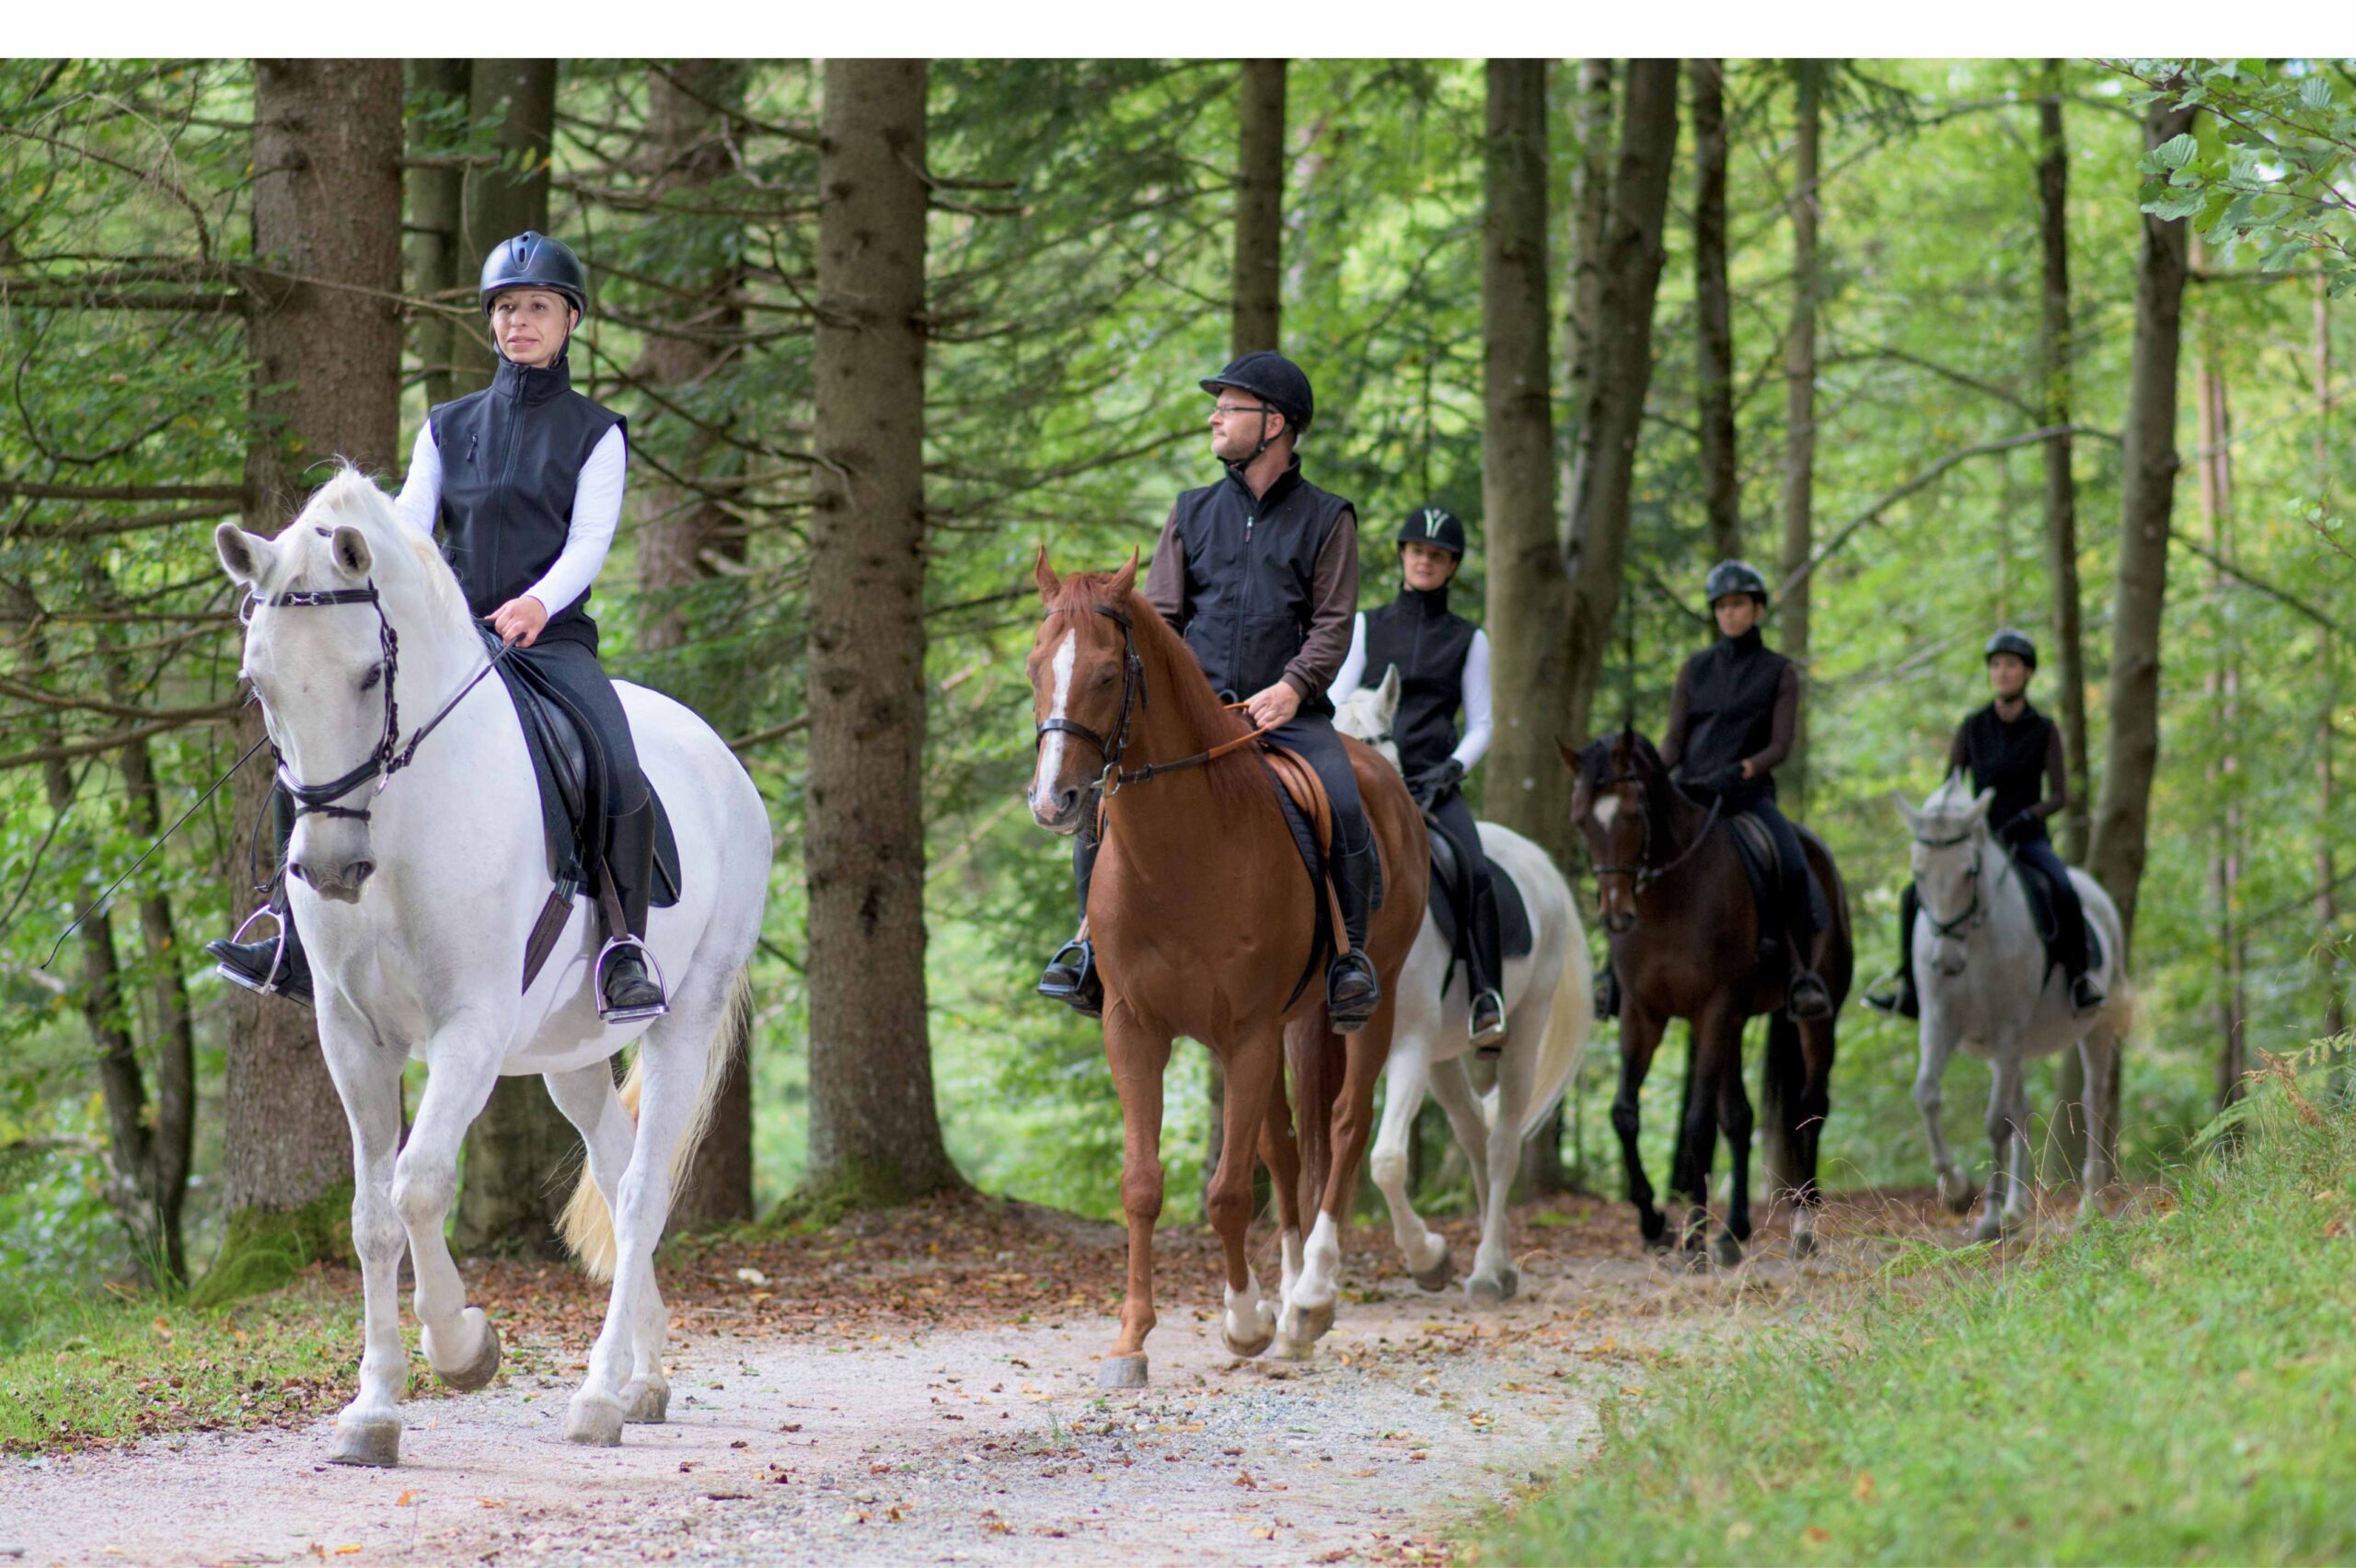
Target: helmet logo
(1432, 518)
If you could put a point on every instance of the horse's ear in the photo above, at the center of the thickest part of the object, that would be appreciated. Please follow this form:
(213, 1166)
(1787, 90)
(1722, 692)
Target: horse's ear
(1979, 804)
(1125, 582)
(1906, 809)
(1571, 754)
(1044, 576)
(246, 558)
(349, 546)
(1387, 698)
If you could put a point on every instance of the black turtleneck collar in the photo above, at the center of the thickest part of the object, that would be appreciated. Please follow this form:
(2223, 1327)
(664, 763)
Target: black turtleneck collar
(1742, 647)
(530, 386)
(1284, 484)
(1428, 603)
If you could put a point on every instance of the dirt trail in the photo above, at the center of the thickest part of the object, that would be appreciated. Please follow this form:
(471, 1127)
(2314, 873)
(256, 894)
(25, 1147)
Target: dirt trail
(861, 1439)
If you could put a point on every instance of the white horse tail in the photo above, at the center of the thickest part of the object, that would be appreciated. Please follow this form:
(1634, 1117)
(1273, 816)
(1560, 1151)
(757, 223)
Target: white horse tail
(588, 1223)
(2122, 1010)
(1568, 1019)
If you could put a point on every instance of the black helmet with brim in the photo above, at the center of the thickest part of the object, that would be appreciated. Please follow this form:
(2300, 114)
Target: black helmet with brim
(1272, 379)
(1435, 525)
(2016, 644)
(1734, 577)
(533, 260)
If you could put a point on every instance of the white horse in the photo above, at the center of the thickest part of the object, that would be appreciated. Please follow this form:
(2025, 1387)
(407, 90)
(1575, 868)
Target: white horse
(429, 963)
(1981, 970)
(1548, 1005)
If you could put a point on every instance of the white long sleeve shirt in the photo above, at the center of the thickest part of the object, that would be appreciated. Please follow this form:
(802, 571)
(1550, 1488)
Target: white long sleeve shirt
(1480, 723)
(589, 533)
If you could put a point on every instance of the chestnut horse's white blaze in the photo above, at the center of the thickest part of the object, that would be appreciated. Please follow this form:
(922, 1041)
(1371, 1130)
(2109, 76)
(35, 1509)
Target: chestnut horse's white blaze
(421, 952)
(1050, 765)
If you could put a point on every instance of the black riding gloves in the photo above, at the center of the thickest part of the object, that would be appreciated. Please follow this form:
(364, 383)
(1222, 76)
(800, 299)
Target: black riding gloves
(1430, 785)
(2019, 829)
(1727, 779)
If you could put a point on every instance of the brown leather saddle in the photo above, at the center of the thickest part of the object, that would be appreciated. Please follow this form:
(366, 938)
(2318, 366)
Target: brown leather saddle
(1309, 813)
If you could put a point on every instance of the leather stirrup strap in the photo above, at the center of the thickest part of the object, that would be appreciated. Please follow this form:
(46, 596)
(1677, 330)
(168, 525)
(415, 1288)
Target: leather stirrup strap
(1308, 791)
(546, 929)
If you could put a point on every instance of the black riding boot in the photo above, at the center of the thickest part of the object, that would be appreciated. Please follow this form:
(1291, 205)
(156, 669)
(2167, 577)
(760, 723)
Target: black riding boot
(1070, 977)
(1484, 961)
(1896, 995)
(1607, 992)
(1352, 992)
(627, 991)
(275, 965)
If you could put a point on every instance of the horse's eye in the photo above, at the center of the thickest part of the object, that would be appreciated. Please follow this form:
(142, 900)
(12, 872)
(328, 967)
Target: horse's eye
(1104, 678)
(368, 681)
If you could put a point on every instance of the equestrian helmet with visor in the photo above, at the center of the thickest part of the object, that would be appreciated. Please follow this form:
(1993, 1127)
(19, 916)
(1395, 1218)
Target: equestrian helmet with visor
(1274, 380)
(2016, 644)
(533, 260)
(1434, 526)
(1735, 577)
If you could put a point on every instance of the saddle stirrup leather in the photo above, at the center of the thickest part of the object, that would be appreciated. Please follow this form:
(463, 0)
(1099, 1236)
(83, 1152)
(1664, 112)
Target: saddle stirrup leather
(631, 841)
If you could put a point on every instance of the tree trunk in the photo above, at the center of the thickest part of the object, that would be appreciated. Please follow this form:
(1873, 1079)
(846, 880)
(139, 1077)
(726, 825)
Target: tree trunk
(517, 98)
(2335, 1007)
(875, 1136)
(174, 1036)
(1590, 213)
(2147, 497)
(690, 104)
(2067, 1139)
(1713, 310)
(2223, 686)
(327, 363)
(1259, 205)
(1799, 413)
(521, 1149)
(436, 204)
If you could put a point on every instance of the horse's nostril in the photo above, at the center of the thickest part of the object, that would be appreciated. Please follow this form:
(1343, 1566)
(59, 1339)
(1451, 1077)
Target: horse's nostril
(358, 871)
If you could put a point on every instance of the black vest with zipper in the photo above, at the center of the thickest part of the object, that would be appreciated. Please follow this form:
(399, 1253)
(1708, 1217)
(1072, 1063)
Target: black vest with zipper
(512, 456)
(1417, 635)
(2009, 759)
(1250, 577)
(1730, 708)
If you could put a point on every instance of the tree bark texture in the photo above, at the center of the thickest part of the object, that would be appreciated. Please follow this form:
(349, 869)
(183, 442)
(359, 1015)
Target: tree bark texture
(436, 206)
(2335, 1005)
(2147, 498)
(686, 533)
(1799, 409)
(1259, 205)
(1590, 212)
(327, 360)
(517, 99)
(520, 1151)
(2216, 460)
(2053, 345)
(875, 1136)
(1714, 313)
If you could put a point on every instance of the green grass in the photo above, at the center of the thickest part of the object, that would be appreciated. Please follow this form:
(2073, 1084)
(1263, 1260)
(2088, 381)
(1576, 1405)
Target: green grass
(2176, 1387)
(82, 1371)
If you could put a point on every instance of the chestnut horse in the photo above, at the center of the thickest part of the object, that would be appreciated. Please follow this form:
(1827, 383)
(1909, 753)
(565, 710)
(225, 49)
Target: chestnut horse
(1203, 920)
(1685, 929)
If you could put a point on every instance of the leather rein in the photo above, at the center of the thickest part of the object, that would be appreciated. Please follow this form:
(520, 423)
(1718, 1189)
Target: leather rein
(391, 755)
(1644, 874)
(1110, 782)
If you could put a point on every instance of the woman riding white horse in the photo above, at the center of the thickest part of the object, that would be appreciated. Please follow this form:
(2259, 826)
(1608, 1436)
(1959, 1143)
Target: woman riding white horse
(526, 478)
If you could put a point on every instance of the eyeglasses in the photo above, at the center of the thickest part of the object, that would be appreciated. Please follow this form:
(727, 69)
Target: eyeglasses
(1223, 410)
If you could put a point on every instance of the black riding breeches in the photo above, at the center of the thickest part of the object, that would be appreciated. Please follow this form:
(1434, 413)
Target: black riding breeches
(1314, 737)
(2069, 945)
(1452, 817)
(572, 670)
(1800, 898)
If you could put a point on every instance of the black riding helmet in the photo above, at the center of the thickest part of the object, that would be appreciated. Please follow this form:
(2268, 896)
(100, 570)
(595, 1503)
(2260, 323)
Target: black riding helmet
(1274, 380)
(1435, 525)
(1735, 577)
(533, 260)
(2016, 644)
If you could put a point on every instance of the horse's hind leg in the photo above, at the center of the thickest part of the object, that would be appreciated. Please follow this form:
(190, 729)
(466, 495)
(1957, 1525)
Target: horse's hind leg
(591, 1102)
(1248, 1324)
(368, 1079)
(1735, 1121)
(1697, 1141)
(1281, 1154)
(1309, 1313)
(458, 1340)
(1425, 1251)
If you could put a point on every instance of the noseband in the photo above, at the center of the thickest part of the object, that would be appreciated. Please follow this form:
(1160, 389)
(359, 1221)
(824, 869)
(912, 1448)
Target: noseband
(1971, 913)
(389, 756)
(1133, 697)
(1644, 873)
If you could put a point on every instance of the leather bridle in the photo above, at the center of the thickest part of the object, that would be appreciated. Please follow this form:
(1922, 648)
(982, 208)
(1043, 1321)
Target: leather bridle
(1644, 874)
(1110, 782)
(1971, 912)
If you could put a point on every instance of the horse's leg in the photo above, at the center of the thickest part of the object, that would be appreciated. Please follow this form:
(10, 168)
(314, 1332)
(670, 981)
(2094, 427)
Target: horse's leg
(670, 1076)
(1697, 1140)
(2098, 1054)
(1493, 1277)
(1817, 1045)
(1309, 1313)
(1252, 1067)
(458, 1340)
(2004, 1071)
(2017, 1201)
(592, 1103)
(1935, 1042)
(368, 1079)
(1640, 1033)
(1138, 1057)
(1281, 1154)
(1409, 1074)
(1734, 1120)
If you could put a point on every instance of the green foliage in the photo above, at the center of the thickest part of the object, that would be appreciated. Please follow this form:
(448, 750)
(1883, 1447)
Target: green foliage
(2174, 1387)
(265, 1248)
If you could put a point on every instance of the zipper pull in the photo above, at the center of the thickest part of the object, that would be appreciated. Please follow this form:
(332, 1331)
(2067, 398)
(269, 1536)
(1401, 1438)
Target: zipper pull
(473, 441)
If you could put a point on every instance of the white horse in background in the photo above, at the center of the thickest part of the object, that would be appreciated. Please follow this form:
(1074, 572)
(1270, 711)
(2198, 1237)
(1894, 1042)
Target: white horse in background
(1549, 1010)
(416, 897)
(1980, 969)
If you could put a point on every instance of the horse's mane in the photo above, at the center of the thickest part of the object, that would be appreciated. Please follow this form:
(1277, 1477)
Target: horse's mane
(352, 500)
(1952, 798)
(1237, 779)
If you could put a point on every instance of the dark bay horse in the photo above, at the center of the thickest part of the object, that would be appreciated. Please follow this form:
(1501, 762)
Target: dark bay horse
(1203, 920)
(1684, 929)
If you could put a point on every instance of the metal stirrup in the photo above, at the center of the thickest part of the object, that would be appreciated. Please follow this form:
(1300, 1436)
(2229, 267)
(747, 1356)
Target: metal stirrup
(628, 1015)
(269, 987)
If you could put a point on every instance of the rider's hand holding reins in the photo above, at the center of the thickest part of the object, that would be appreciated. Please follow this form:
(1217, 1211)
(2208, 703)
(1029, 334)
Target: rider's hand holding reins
(521, 619)
(1274, 706)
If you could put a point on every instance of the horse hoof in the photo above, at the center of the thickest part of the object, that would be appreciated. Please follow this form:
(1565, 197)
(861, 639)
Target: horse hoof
(375, 1442)
(1956, 1193)
(1987, 1228)
(593, 1421)
(1654, 1229)
(1696, 1260)
(478, 1373)
(1121, 1372)
(1244, 1350)
(1728, 1252)
(1804, 1244)
(1440, 1275)
(1312, 1323)
(1286, 1348)
(1497, 1291)
(646, 1401)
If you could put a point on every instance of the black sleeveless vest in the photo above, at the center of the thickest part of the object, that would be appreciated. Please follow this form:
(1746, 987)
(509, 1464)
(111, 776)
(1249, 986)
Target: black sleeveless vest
(2009, 759)
(1250, 570)
(1416, 634)
(1730, 706)
(511, 460)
